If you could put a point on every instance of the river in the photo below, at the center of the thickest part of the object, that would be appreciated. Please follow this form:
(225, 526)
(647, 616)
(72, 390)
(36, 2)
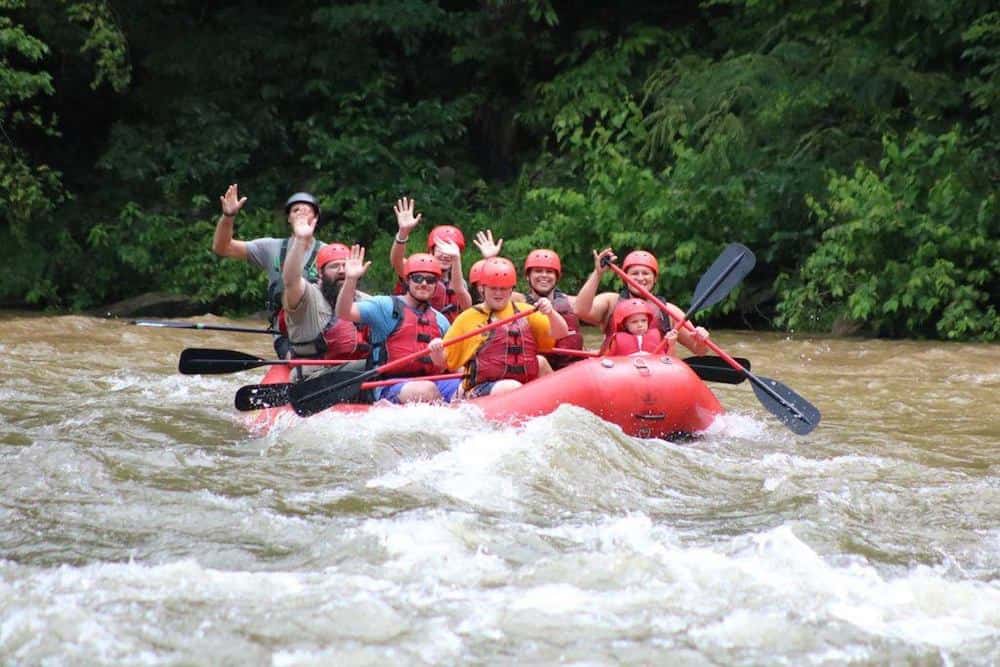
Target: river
(140, 524)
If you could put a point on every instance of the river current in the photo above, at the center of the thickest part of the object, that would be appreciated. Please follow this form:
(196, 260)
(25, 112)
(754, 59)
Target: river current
(141, 524)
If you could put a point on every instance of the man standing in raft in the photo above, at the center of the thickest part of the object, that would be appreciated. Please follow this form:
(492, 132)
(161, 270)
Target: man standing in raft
(314, 332)
(446, 243)
(401, 325)
(542, 269)
(502, 359)
(267, 253)
(601, 309)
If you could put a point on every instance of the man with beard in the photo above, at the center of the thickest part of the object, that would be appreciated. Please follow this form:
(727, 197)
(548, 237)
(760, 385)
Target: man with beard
(266, 253)
(542, 269)
(451, 294)
(600, 309)
(401, 325)
(314, 332)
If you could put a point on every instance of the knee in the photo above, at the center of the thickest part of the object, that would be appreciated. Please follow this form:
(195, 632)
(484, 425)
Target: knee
(544, 367)
(422, 391)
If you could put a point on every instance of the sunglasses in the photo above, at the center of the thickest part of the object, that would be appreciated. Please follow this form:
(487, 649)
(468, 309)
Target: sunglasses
(421, 278)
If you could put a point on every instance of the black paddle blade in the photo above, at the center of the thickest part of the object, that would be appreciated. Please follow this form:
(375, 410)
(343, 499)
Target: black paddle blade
(735, 262)
(261, 396)
(208, 361)
(317, 394)
(795, 412)
(715, 369)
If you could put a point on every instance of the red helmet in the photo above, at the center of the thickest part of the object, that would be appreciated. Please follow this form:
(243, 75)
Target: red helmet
(629, 307)
(543, 259)
(499, 272)
(641, 258)
(331, 252)
(421, 262)
(476, 272)
(446, 233)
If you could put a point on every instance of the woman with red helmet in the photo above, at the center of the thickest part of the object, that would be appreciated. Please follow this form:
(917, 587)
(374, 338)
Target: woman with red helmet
(504, 358)
(451, 295)
(600, 309)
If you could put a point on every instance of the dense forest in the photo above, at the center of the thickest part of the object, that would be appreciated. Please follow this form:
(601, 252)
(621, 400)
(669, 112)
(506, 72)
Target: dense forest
(854, 145)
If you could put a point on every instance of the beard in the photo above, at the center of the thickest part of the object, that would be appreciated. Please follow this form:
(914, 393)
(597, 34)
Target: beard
(330, 289)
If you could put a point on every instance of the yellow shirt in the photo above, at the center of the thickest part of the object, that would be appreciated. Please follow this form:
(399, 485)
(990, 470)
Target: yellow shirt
(458, 355)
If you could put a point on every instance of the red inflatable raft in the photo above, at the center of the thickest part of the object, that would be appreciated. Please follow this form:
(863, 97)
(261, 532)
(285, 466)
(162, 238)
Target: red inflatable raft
(647, 396)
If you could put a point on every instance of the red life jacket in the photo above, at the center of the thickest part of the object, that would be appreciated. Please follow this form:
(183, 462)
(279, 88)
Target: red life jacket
(662, 322)
(623, 343)
(508, 353)
(444, 299)
(573, 341)
(415, 327)
(340, 339)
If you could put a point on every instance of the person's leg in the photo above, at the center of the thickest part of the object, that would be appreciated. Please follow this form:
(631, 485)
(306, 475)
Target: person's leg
(544, 367)
(422, 391)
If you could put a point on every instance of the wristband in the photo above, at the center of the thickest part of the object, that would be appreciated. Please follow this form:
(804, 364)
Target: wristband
(401, 241)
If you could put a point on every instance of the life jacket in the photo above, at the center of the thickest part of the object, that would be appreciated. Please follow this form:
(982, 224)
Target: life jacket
(573, 341)
(508, 353)
(624, 343)
(276, 284)
(340, 339)
(415, 327)
(662, 321)
(444, 299)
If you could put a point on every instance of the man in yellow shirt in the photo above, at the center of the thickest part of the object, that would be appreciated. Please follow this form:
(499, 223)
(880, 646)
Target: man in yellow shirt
(503, 359)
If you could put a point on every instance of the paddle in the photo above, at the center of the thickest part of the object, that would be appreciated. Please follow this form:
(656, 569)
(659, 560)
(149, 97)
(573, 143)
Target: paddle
(709, 369)
(795, 412)
(209, 361)
(313, 395)
(261, 396)
(200, 326)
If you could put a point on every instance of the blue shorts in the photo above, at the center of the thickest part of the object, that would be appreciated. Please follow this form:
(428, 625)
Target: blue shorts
(483, 389)
(447, 388)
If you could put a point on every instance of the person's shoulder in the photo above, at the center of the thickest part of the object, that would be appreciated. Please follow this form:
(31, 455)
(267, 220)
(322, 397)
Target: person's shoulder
(381, 302)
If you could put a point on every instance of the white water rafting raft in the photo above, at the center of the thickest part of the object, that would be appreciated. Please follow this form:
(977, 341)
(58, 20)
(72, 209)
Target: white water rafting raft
(645, 395)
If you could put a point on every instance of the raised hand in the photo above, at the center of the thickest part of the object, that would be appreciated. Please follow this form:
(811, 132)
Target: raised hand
(231, 202)
(404, 215)
(448, 248)
(486, 245)
(355, 265)
(599, 266)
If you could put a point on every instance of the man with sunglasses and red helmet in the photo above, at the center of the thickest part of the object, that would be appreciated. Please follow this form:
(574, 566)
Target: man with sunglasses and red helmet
(502, 359)
(599, 309)
(400, 325)
(542, 270)
(314, 332)
(451, 295)
(267, 253)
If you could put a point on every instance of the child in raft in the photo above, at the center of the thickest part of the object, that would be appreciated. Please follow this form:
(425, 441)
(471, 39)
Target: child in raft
(632, 334)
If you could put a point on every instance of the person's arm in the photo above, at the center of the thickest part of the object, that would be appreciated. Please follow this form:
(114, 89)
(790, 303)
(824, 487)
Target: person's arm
(354, 267)
(405, 222)
(694, 340)
(223, 243)
(457, 280)
(295, 261)
(557, 323)
(589, 306)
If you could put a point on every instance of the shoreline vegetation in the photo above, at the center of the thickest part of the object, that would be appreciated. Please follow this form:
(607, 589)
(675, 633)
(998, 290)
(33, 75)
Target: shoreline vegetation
(854, 148)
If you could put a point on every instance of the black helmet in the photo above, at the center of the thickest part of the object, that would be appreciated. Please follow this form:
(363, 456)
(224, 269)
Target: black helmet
(302, 197)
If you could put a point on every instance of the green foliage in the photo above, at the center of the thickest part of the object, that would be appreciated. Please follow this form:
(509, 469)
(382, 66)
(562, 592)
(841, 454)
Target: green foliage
(910, 248)
(676, 127)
